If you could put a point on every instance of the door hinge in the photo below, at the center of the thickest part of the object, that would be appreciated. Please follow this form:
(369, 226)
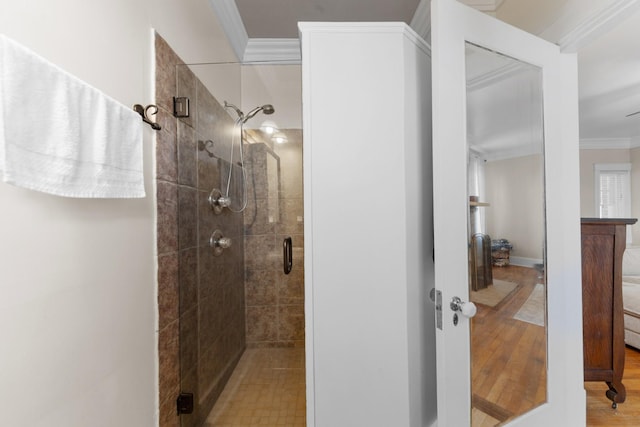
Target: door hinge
(181, 106)
(185, 403)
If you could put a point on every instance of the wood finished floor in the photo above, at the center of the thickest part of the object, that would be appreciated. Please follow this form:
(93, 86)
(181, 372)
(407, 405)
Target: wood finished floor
(599, 411)
(507, 382)
(509, 360)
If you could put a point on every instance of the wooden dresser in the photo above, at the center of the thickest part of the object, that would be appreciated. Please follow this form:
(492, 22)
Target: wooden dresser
(603, 244)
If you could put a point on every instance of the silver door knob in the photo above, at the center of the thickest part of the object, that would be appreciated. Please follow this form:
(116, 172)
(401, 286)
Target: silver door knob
(467, 309)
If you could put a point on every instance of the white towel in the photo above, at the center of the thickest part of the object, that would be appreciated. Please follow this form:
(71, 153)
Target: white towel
(59, 135)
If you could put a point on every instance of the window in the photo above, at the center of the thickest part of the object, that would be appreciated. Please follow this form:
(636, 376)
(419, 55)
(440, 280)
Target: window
(613, 191)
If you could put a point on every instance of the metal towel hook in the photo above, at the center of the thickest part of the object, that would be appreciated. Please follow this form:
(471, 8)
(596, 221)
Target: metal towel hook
(145, 113)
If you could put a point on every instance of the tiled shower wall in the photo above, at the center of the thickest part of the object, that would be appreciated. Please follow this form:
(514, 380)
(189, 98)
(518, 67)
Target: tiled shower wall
(275, 301)
(200, 297)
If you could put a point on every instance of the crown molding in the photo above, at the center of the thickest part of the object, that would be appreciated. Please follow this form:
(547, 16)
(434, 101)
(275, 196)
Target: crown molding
(585, 144)
(483, 5)
(494, 76)
(510, 153)
(607, 144)
(594, 26)
(421, 21)
(283, 51)
(232, 25)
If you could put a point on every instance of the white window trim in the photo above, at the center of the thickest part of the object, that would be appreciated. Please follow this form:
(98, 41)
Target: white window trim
(609, 167)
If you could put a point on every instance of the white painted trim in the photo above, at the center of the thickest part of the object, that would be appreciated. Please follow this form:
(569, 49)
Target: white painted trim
(286, 51)
(229, 17)
(607, 144)
(595, 26)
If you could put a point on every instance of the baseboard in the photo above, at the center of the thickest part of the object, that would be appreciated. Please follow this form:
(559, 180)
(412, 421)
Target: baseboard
(524, 262)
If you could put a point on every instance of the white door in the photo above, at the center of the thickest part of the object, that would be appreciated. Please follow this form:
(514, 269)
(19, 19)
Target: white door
(494, 125)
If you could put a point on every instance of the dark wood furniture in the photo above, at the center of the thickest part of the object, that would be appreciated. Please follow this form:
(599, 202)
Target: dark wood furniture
(603, 244)
(480, 265)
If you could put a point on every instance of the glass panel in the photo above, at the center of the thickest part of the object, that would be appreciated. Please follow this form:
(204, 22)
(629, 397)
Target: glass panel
(211, 319)
(239, 317)
(506, 226)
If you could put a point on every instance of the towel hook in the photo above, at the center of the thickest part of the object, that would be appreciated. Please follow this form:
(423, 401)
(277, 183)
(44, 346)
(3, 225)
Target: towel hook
(145, 113)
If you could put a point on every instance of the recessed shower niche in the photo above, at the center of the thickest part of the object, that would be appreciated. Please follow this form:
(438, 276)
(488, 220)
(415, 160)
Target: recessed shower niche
(216, 302)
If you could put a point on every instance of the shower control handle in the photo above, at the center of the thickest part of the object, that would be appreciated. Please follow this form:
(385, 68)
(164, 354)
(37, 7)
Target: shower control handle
(218, 201)
(224, 201)
(223, 242)
(219, 243)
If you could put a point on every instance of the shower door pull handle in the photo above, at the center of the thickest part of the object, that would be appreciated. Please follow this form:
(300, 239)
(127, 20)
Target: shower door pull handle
(287, 255)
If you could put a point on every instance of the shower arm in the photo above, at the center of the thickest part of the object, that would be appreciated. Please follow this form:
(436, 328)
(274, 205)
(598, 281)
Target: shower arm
(236, 109)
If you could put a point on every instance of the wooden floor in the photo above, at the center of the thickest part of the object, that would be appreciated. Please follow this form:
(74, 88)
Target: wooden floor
(509, 369)
(508, 355)
(599, 411)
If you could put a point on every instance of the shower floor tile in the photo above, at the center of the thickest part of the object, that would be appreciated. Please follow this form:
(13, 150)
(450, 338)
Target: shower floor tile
(267, 388)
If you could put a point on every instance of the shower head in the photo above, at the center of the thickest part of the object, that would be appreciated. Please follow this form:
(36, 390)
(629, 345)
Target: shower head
(266, 109)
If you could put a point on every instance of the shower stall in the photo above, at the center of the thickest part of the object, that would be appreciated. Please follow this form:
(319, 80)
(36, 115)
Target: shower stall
(229, 192)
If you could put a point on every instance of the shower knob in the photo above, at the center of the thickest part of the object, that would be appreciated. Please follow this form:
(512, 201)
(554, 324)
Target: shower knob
(218, 201)
(219, 243)
(467, 309)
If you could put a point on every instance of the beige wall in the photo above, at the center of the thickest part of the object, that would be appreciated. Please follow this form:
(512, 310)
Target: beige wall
(280, 85)
(588, 158)
(529, 16)
(78, 276)
(515, 193)
(549, 19)
(502, 219)
(635, 193)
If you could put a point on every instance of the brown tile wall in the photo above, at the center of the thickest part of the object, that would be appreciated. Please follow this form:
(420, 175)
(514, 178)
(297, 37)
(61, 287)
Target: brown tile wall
(275, 301)
(200, 296)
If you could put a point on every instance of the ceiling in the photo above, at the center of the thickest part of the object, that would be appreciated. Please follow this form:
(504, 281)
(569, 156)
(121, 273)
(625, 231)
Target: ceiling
(279, 18)
(604, 33)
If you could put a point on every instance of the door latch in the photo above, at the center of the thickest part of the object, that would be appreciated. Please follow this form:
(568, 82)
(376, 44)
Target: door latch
(436, 297)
